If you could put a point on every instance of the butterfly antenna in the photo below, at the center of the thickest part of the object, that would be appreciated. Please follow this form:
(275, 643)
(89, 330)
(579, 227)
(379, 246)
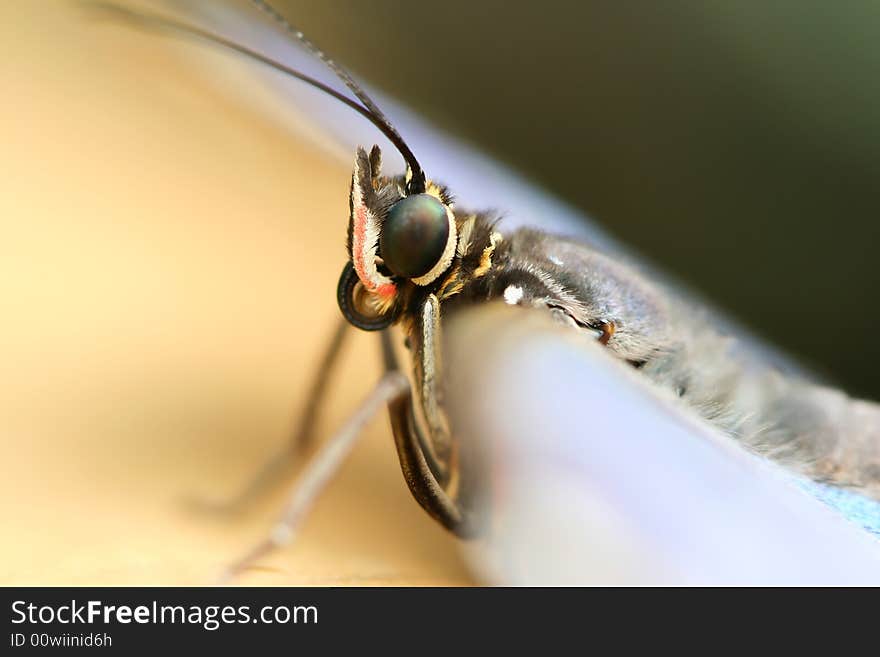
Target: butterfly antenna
(340, 72)
(368, 109)
(417, 175)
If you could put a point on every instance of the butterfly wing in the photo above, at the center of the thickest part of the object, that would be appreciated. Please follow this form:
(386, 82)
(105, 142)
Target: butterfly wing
(697, 489)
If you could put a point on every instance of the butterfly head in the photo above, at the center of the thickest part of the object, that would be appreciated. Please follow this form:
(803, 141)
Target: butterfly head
(401, 233)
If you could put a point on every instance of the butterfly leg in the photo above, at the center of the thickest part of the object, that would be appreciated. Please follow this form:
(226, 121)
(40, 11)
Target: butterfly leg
(443, 501)
(321, 469)
(277, 468)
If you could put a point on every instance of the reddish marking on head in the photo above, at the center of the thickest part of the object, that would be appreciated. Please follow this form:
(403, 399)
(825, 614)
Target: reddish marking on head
(357, 247)
(387, 291)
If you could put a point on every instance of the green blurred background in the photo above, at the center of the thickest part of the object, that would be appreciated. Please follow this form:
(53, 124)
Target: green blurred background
(736, 143)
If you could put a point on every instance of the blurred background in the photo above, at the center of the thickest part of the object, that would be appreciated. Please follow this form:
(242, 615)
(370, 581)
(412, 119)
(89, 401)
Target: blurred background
(168, 268)
(736, 144)
(171, 246)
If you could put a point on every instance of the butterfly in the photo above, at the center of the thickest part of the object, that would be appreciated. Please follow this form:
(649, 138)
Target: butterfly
(417, 257)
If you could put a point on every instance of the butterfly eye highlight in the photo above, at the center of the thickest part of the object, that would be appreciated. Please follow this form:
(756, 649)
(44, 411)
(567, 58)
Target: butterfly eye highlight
(415, 236)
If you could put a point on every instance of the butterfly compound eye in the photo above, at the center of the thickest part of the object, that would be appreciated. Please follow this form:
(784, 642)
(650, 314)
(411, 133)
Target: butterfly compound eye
(414, 235)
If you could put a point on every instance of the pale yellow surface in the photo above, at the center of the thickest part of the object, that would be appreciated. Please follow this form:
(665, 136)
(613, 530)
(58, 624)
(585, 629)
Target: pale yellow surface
(168, 264)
